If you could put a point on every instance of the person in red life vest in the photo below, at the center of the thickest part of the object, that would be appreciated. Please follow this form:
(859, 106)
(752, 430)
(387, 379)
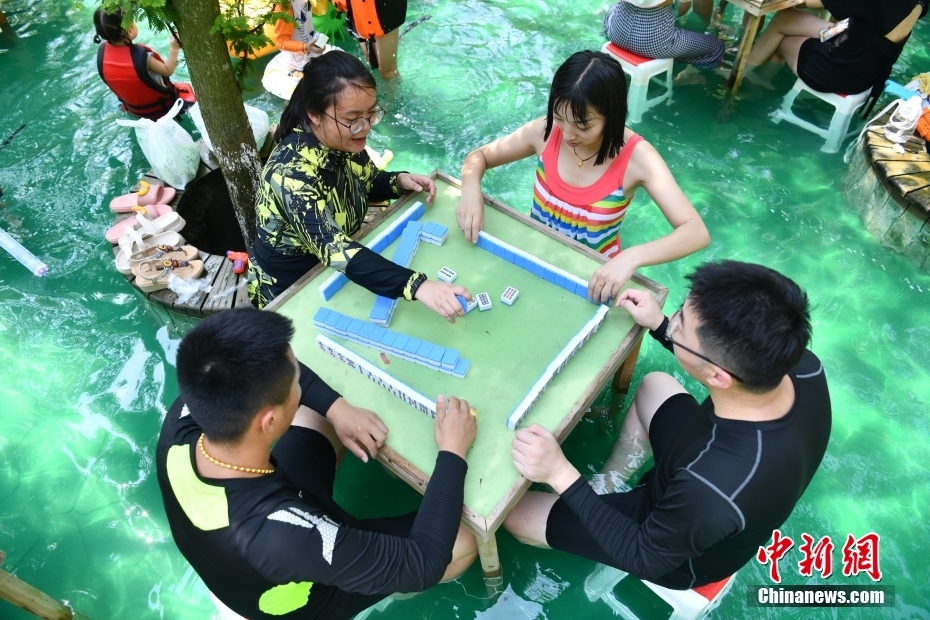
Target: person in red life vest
(375, 25)
(136, 74)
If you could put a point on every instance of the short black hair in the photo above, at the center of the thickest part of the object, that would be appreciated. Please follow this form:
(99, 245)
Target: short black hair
(751, 319)
(589, 81)
(231, 366)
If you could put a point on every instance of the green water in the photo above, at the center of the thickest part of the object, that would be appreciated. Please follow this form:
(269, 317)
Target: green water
(87, 373)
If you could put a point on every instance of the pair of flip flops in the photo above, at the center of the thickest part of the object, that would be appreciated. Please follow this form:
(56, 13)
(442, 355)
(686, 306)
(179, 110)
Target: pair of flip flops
(148, 194)
(134, 249)
(153, 275)
(149, 221)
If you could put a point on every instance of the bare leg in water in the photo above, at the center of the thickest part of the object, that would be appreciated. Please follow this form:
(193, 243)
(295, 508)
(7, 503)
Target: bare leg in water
(632, 447)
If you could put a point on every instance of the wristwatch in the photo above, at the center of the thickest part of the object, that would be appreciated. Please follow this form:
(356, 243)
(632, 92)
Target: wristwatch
(420, 279)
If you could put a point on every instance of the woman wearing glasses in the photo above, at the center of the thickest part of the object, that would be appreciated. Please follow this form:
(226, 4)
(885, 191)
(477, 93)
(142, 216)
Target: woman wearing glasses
(316, 188)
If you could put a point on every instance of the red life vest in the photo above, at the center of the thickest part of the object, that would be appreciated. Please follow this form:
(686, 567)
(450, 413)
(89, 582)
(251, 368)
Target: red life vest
(124, 69)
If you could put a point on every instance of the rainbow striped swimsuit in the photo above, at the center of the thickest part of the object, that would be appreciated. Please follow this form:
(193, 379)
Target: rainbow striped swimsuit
(590, 215)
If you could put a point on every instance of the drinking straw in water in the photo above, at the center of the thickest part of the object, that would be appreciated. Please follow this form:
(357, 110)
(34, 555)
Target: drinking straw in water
(27, 258)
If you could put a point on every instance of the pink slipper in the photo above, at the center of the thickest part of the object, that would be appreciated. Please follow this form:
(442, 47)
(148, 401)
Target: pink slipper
(150, 212)
(147, 195)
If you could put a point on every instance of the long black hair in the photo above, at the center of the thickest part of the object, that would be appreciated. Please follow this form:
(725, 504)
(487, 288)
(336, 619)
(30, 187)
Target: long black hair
(324, 78)
(592, 81)
(109, 27)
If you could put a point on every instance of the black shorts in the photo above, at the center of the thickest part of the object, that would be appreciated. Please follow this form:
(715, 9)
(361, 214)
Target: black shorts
(563, 529)
(310, 462)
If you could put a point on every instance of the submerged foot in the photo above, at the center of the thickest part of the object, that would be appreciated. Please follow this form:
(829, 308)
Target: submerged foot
(689, 75)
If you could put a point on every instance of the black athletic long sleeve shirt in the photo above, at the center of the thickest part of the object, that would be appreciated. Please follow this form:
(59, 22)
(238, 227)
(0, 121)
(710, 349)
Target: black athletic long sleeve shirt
(718, 493)
(270, 552)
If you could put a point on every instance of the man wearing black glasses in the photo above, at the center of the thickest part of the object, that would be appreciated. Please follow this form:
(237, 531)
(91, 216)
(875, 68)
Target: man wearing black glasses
(727, 471)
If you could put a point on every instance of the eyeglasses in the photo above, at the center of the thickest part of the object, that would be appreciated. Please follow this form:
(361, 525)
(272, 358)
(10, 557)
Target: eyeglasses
(359, 124)
(674, 322)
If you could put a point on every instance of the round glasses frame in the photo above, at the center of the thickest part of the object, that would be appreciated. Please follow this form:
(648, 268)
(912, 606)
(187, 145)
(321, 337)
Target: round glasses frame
(673, 322)
(358, 124)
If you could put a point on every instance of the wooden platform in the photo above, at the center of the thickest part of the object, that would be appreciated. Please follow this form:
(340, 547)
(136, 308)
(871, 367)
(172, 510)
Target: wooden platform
(891, 193)
(228, 290)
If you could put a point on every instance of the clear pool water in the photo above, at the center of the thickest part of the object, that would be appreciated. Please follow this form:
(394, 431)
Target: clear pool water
(87, 373)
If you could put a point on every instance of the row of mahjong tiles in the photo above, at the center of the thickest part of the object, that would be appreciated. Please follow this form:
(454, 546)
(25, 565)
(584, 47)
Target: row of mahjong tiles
(432, 355)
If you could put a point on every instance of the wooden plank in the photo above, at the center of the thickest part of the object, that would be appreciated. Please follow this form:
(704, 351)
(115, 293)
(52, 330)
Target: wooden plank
(897, 167)
(165, 297)
(242, 292)
(211, 264)
(222, 293)
(36, 602)
(882, 153)
(907, 183)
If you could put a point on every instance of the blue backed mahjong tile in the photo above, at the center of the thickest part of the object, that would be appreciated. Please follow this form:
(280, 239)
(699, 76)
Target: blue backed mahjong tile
(412, 345)
(321, 314)
(461, 367)
(355, 326)
(435, 356)
(449, 358)
(343, 323)
(400, 343)
(377, 334)
(365, 332)
(388, 339)
(424, 349)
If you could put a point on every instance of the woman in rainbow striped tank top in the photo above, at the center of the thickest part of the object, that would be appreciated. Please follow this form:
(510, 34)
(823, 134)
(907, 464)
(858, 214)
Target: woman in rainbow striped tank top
(589, 166)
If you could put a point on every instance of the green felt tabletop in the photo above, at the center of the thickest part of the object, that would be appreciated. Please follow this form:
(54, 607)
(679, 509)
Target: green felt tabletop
(509, 347)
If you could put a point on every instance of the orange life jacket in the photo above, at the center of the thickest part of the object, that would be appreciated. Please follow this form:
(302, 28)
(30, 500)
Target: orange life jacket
(124, 69)
(363, 15)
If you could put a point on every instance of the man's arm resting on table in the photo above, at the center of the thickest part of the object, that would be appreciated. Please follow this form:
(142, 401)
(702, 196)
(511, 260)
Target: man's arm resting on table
(353, 425)
(294, 545)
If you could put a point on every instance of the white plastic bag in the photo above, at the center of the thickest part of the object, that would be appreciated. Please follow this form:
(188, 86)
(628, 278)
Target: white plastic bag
(258, 120)
(169, 149)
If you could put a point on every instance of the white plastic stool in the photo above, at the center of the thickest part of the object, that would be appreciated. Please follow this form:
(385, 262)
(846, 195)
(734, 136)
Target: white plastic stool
(642, 70)
(225, 612)
(686, 604)
(846, 106)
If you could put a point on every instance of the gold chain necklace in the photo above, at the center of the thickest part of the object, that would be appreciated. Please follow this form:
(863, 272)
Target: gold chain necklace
(248, 470)
(581, 161)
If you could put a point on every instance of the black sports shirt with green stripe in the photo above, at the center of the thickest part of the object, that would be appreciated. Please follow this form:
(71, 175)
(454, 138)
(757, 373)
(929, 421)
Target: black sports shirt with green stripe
(268, 551)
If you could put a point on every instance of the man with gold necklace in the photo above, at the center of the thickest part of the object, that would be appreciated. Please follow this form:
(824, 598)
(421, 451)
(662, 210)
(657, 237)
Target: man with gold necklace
(246, 467)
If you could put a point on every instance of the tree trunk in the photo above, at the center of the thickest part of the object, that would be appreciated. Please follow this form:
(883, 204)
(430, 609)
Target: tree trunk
(221, 105)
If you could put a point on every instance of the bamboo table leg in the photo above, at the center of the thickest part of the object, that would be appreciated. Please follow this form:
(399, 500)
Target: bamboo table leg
(625, 373)
(490, 561)
(739, 65)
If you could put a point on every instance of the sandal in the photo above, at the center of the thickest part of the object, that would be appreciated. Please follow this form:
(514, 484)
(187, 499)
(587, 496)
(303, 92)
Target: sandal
(166, 220)
(132, 242)
(153, 275)
(164, 250)
(147, 195)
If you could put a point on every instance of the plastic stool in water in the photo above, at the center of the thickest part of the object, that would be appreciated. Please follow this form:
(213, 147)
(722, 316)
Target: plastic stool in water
(846, 106)
(686, 604)
(642, 70)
